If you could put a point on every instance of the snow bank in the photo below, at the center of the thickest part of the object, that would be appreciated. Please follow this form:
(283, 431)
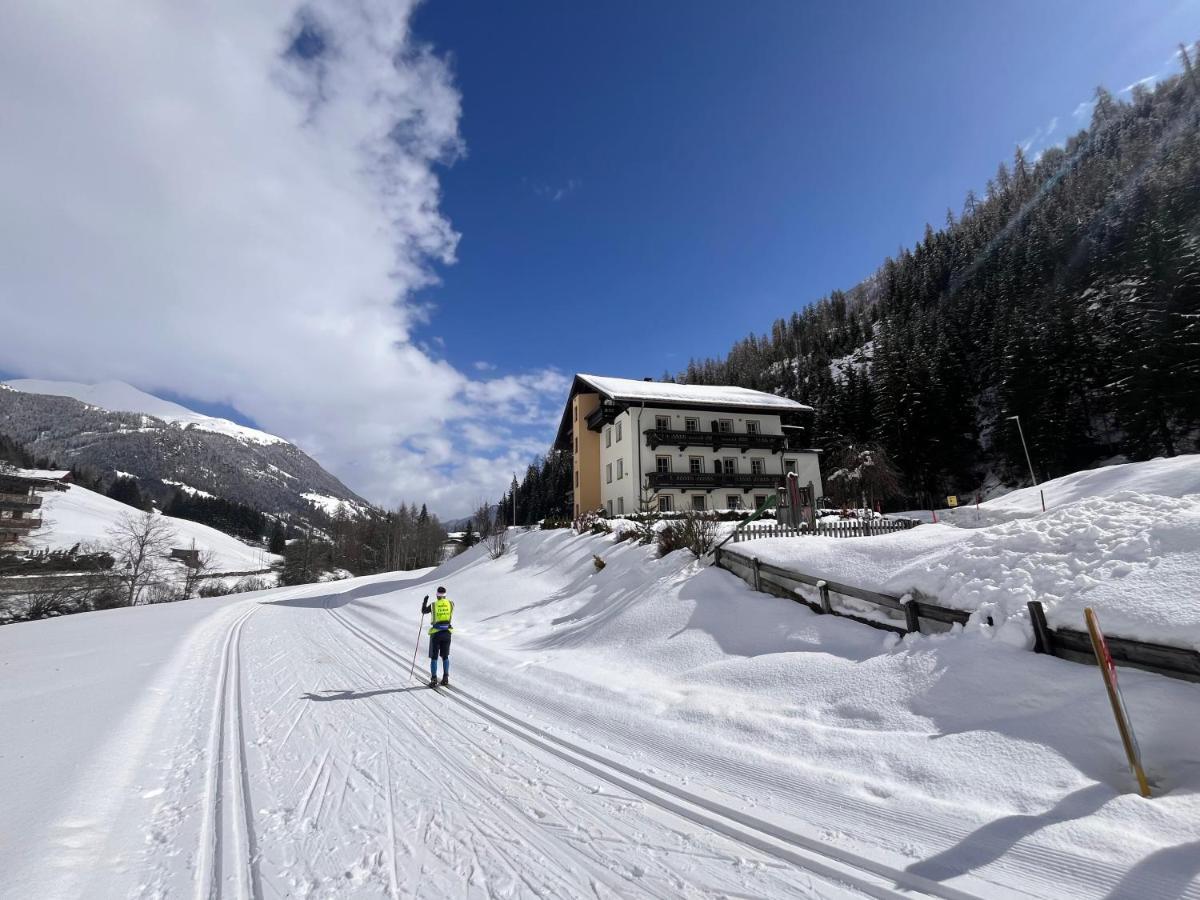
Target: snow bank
(1124, 540)
(80, 516)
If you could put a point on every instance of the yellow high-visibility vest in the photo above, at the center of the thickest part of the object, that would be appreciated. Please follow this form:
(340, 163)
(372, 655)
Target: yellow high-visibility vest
(443, 611)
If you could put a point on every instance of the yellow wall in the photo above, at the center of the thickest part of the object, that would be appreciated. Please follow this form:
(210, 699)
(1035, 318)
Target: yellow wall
(586, 454)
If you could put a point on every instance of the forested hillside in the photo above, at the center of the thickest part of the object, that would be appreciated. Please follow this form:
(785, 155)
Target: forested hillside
(1069, 294)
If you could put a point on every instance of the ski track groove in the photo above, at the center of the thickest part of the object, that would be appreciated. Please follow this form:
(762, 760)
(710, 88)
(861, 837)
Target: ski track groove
(1031, 864)
(487, 794)
(484, 789)
(730, 828)
(227, 827)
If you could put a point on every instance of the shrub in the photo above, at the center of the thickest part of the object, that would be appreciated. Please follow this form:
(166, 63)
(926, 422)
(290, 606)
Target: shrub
(600, 526)
(597, 562)
(698, 533)
(214, 588)
(497, 542)
(550, 523)
(669, 539)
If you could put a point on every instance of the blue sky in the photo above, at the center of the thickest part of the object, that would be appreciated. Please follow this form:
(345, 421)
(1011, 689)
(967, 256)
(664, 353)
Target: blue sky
(393, 248)
(646, 182)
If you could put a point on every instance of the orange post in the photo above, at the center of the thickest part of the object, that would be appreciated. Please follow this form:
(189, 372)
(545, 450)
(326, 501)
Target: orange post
(1108, 669)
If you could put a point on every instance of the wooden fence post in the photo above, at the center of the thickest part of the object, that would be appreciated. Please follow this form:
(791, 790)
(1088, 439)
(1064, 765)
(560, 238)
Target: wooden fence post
(1043, 639)
(911, 619)
(823, 588)
(757, 574)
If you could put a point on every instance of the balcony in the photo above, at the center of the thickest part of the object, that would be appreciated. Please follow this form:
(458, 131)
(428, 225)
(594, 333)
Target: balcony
(717, 440)
(26, 523)
(710, 481)
(19, 501)
(604, 414)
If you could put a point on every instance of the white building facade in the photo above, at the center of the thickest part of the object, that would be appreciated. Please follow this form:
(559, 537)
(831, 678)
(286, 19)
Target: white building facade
(682, 447)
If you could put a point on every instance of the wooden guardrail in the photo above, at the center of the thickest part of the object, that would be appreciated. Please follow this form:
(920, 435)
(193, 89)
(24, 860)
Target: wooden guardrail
(915, 613)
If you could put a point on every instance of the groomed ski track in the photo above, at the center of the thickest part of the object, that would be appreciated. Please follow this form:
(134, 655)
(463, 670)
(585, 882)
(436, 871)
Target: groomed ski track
(286, 751)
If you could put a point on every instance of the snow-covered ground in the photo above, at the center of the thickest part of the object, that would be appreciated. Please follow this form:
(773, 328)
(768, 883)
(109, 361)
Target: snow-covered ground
(651, 729)
(1124, 540)
(79, 516)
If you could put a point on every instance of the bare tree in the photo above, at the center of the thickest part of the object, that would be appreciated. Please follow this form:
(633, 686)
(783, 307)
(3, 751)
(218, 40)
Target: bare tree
(497, 541)
(484, 519)
(698, 532)
(139, 545)
(199, 566)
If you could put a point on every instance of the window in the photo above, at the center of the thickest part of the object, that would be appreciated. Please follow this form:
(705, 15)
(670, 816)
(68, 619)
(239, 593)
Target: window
(609, 505)
(620, 468)
(607, 437)
(752, 427)
(759, 500)
(725, 426)
(620, 506)
(691, 424)
(664, 503)
(618, 431)
(789, 465)
(757, 466)
(698, 502)
(662, 464)
(695, 464)
(576, 410)
(608, 473)
(576, 443)
(662, 423)
(731, 465)
(733, 501)
(576, 478)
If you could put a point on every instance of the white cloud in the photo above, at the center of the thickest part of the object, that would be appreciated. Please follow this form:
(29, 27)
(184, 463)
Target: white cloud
(555, 193)
(189, 206)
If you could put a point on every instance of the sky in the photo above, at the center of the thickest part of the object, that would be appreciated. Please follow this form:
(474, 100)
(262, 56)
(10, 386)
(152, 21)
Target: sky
(390, 233)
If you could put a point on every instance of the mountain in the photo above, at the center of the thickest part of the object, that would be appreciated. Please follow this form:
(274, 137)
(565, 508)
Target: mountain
(113, 426)
(1068, 295)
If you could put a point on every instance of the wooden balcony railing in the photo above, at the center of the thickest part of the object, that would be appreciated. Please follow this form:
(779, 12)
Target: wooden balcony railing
(717, 440)
(19, 501)
(26, 523)
(711, 480)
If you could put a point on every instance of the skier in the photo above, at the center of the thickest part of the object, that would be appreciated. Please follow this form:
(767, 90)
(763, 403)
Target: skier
(439, 634)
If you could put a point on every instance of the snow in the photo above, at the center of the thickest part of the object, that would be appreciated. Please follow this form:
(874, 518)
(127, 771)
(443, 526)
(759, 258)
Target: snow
(331, 506)
(80, 516)
(859, 360)
(117, 396)
(694, 394)
(187, 488)
(652, 729)
(49, 474)
(1124, 540)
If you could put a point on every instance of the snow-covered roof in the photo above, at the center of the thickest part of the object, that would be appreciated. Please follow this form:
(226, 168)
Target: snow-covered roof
(47, 474)
(689, 394)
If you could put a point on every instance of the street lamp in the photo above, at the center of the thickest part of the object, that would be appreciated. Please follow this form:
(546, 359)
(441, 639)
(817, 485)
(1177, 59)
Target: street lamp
(1028, 461)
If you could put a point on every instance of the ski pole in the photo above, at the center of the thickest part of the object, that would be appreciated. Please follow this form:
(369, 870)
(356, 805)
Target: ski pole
(421, 627)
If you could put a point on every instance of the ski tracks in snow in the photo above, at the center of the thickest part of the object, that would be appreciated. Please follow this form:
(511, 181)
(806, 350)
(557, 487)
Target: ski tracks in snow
(841, 868)
(228, 856)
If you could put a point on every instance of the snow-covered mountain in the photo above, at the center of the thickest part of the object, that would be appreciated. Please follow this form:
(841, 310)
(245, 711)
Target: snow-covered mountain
(115, 427)
(117, 396)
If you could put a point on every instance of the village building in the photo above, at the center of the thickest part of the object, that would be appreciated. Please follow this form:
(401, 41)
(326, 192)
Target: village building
(682, 447)
(21, 502)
